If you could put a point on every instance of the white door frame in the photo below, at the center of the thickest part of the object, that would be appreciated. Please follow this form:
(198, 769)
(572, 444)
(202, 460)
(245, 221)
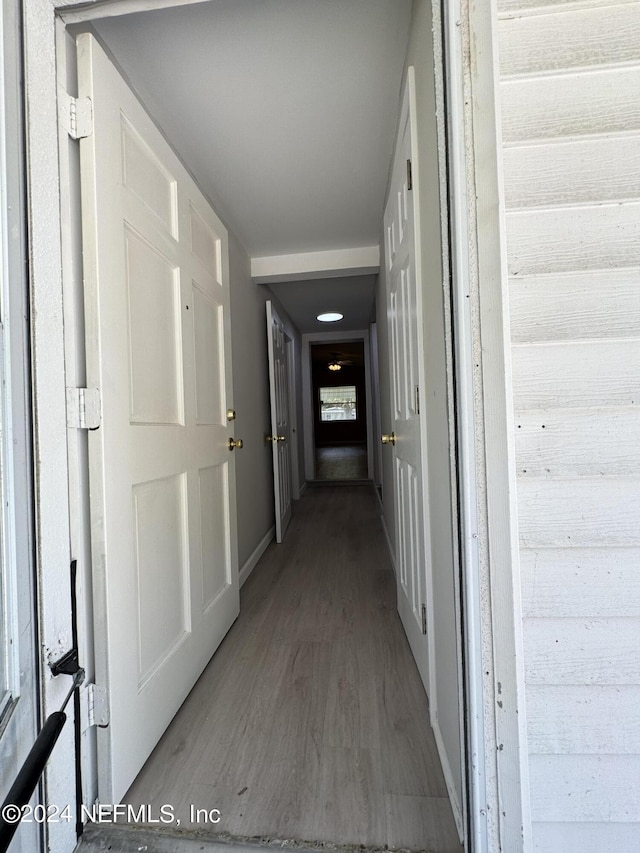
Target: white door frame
(484, 396)
(19, 685)
(377, 417)
(498, 790)
(275, 328)
(307, 394)
(293, 418)
(49, 395)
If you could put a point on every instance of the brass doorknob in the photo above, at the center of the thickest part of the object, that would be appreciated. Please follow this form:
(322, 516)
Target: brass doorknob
(389, 438)
(275, 438)
(233, 443)
(231, 414)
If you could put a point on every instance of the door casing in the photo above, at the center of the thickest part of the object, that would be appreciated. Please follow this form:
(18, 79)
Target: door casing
(20, 717)
(307, 393)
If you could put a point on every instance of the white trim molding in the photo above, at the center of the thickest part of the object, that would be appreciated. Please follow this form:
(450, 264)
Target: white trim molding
(253, 559)
(307, 266)
(385, 530)
(73, 12)
(496, 584)
(49, 397)
(447, 20)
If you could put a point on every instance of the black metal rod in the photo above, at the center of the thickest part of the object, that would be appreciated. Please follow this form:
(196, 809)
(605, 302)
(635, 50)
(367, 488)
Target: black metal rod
(32, 769)
(28, 777)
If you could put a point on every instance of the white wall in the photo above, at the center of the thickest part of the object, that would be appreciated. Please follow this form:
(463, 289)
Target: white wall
(569, 87)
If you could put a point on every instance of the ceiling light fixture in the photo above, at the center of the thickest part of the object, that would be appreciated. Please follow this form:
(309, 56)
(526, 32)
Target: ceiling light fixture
(330, 317)
(333, 365)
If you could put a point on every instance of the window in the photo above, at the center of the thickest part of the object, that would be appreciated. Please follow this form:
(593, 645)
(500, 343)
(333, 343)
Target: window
(338, 403)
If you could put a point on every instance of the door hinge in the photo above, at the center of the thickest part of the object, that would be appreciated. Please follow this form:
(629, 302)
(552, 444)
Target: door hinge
(83, 408)
(76, 115)
(417, 399)
(94, 707)
(424, 619)
(409, 176)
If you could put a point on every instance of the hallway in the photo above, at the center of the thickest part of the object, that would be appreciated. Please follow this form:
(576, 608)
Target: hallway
(310, 722)
(348, 462)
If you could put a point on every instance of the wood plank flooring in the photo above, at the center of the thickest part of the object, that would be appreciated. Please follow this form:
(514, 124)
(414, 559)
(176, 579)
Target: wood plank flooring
(310, 722)
(347, 462)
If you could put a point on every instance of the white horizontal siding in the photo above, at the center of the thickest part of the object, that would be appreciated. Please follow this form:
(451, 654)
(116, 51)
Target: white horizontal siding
(582, 652)
(578, 38)
(578, 442)
(570, 108)
(508, 8)
(586, 512)
(575, 171)
(586, 837)
(543, 240)
(581, 582)
(583, 720)
(586, 788)
(571, 306)
(578, 373)
(594, 102)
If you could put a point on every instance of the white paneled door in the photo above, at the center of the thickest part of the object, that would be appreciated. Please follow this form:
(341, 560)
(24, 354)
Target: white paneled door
(162, 475)
(280, 426)
(407, 442)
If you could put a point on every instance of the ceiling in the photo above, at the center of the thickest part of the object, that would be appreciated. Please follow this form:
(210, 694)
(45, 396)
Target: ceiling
(354, 297)
(285, 113)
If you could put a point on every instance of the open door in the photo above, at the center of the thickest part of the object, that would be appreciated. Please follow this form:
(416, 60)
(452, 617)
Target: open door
(280, 427)
(407, 441)
(162, 477)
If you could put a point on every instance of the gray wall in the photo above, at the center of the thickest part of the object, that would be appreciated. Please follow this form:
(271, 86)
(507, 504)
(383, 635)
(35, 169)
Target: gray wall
(254, 471)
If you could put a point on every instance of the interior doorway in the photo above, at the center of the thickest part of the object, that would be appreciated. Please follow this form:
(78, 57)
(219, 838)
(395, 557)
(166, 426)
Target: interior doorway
(348, 401)
(339, 400)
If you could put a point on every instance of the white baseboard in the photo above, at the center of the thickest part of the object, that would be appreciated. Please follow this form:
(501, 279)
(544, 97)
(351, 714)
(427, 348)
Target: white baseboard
(261, 547)
(456, 806)
(379, 499)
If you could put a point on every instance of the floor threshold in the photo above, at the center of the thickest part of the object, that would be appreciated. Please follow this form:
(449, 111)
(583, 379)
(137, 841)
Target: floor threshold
(125, 838)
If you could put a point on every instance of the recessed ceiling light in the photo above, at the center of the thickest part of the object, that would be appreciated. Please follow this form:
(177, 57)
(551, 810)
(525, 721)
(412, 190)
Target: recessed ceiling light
(330, 317)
